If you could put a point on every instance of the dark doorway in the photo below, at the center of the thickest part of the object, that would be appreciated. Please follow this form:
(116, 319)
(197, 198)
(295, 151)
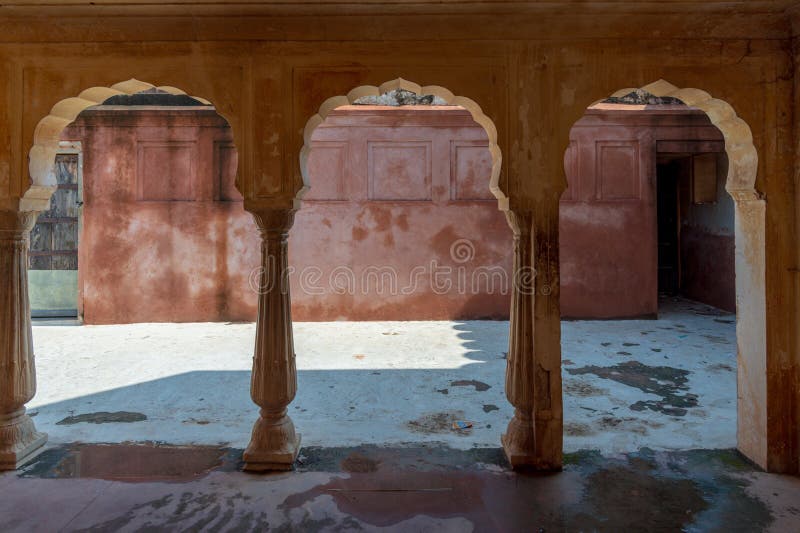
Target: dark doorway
(695, 229)
(669, 172)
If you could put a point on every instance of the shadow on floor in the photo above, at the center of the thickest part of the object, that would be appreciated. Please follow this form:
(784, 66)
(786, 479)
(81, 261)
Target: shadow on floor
(332, 407)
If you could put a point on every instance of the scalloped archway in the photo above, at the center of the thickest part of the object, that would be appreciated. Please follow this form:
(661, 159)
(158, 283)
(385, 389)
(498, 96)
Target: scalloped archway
(750, 258)
(528, 437)
(19, 439)
(742, 155)
(370, 90)
(46, 135)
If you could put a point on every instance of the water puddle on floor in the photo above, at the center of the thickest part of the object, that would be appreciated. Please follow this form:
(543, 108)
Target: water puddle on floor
(132, 462)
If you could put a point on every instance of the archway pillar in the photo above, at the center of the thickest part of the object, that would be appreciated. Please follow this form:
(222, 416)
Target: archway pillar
(753, 383)
(519, 441)
(533, 372)
(548, 404)
(19, 440)
(274, 444)
(767, 417)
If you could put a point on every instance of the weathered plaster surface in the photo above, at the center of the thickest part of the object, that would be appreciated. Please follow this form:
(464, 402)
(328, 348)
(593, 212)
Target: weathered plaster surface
(355, 255)
(164, 237)
(399, 222)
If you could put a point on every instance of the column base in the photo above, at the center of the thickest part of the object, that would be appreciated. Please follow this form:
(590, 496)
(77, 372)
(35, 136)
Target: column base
(519, 440)
(19, 442)
(517, 458)
(266, 461)
(524, 459)
(274, 444)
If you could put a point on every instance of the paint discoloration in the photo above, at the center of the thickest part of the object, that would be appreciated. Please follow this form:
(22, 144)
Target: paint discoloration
(437, 423)
(359, 233)
(359, 463)
(480, 386)
(679, 501)
(581, 388)
(577, 429)
(103, 417)
(716, 339)
(211, 248)
(664, 381)
(197, 252)
(721, 368)
(373, 185)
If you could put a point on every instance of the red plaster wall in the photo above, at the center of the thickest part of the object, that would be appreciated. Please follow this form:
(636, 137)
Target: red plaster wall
(392, 188)
(608, 223)
(399, 223)
(163, 237)
(708, 273)
(402, 194)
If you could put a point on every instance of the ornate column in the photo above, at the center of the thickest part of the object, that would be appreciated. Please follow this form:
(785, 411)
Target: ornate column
(274, 444)
(19, 440)
(533, 372)
(519, 441)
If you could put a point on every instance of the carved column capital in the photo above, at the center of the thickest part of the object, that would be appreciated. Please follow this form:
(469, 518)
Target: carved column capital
(274, 222)
(15, 225)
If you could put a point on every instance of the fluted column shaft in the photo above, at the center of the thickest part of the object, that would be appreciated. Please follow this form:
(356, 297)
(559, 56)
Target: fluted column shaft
(519, 441)
(274, 444)
(19, 440)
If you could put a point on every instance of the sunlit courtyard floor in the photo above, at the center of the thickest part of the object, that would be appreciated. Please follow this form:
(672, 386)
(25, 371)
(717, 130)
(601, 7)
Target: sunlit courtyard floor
(666, 384)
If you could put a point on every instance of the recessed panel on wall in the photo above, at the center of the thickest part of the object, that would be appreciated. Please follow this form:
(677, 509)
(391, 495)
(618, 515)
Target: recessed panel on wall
(326, 170)
(165, 170)
(617, 170)
(470, 170)
(399, 170)
(225, 166)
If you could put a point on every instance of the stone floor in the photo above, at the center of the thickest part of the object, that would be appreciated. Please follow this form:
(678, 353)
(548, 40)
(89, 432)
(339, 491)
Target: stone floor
(147, 423)
(377, 488)
(669, 384)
